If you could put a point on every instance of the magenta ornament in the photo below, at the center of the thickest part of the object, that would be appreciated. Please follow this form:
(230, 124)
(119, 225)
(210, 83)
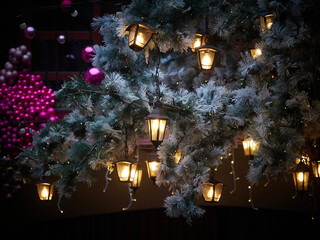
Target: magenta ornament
(94, 76)
(87, 54)
(29, 32)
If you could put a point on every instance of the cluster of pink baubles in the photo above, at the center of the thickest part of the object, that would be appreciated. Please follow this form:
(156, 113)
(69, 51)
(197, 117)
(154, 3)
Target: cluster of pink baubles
(25, 106)
(25, 103)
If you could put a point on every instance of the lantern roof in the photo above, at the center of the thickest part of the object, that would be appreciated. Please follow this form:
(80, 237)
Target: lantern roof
(157, 112)
(209, 46)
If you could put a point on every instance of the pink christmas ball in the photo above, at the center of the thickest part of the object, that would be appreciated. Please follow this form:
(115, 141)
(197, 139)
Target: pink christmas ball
(94, 76)
(87, 54)
(65, 5)
(43, 115)
(51, 111)
(29, 32)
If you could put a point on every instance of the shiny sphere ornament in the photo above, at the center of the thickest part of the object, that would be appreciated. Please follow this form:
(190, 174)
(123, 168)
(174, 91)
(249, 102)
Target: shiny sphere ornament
(94, 76)
(29, 32)
(87, 54)
(65, 5)
(61, 39)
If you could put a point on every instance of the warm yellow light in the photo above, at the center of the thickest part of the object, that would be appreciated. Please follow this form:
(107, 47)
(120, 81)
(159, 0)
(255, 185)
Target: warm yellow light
(206, 61)
(256, 52)
(206, 55)
(300, 177)
(44, 193)
(316, 168)
(266, 21)
(197, 43)
(139, 36)
(45, 190)
(140, 40)
(135, 184)
(177, 156)
(152, 168)
(157, 129)
(154, 129)
(269, 20)
(250, 146)
(126, 170)
(211, 192)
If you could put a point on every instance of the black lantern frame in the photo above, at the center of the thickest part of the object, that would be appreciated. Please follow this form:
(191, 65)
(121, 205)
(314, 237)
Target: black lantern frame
(131, 168)
(199, 38)
(45, 190)
(139, 36)
(153, 164)
(157, 121)
(212, 190)
(136, 183)
(301, 177)
(206, 55)
(266, 20)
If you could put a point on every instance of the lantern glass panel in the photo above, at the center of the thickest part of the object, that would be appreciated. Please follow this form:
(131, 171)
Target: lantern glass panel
(250, 146)
(137, 179)
(199, 41)
(152, 168)
(177, 156)
(45, 191)
(212, 191)
(301, 180)
(266, 21)
(269, 20)
(126, 171)
(316, 168)
(156, 129)
(256, 52)
(139, 36)
(206, 58)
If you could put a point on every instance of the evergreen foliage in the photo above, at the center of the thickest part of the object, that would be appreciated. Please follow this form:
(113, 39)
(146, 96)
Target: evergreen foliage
(272, 98)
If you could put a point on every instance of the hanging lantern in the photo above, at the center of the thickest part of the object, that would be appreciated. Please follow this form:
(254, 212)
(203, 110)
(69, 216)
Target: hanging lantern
(206, 56)
(139, 36)
(250, 146)
(256, 52)
(153, 164)
(316, 168)
(126, 169)
(266, 21)
(157, 121)
(212, 190)
(301, 177)
(199, 40)
(177, 156)
(45, 190)
(135, 184)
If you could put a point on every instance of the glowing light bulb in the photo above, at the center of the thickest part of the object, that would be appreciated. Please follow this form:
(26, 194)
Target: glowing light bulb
(206, 61)
(300, 177)
(153, 166)
(125, 172)
(140, 40)
(197, 43)
(44, 193)
(154, 128)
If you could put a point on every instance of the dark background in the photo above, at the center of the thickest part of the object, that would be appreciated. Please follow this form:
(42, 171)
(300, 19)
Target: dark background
(93, 214)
